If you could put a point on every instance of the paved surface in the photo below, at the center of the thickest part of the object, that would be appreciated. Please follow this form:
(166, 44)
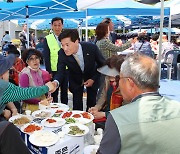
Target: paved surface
(70, 102)
(170, 88)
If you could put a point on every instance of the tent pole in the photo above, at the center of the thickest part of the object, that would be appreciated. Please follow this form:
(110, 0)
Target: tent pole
(86, 26)
(160, 37)
(9, 26)
(36, 37)
(169, 29)
(27, 22)
(79, 31)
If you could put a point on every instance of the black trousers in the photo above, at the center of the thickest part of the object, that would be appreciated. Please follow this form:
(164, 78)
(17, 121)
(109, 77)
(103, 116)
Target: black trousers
(10, 140)
(63, 88)
(78, 98)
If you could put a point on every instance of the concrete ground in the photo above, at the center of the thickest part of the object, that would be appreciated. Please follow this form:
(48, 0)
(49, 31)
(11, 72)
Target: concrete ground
(70, 100)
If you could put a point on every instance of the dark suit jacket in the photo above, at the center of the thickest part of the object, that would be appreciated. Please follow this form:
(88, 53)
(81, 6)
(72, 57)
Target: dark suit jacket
(93, 59)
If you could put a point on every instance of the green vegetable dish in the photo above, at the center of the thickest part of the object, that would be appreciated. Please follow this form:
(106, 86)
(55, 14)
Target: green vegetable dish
(74, 130)
(70, 120)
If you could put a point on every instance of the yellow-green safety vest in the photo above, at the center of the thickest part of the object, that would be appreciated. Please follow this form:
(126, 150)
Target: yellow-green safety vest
(54, 48)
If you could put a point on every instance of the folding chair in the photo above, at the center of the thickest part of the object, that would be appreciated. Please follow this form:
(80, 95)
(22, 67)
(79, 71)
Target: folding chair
(171, 60)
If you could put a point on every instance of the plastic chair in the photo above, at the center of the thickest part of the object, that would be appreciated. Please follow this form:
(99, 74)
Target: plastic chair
(172, 57)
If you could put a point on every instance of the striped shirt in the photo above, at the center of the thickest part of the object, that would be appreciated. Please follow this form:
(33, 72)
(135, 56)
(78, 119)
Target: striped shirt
(14, 93)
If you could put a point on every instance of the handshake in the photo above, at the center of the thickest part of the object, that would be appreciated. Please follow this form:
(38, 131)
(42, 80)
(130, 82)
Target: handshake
(52, 86)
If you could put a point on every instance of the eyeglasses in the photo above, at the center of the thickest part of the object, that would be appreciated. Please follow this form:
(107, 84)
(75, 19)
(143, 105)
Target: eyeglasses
(34, 59)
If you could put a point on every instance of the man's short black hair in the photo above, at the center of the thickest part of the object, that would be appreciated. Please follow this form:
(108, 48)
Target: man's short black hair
(69, 33)
(56, 19)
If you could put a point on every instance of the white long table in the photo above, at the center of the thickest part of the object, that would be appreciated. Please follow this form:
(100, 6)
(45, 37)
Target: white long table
(66, 145)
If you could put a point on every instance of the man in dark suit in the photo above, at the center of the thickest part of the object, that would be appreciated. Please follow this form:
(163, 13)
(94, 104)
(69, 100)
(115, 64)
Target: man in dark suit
(82, 59)
(23, 38)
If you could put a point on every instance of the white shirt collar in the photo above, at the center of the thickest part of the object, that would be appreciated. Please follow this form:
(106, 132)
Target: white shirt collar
(79, 52)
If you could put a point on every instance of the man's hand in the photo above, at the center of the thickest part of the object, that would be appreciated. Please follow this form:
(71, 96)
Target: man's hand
(89, 83)
(52, 86)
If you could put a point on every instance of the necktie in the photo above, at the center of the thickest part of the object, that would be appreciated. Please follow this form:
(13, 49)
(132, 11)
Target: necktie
(79, 61)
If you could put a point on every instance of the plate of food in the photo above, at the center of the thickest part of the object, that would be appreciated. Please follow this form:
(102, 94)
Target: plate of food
(86, 117)
(66, 114)
(75, 129)
(43, 138)
(42, 114)
(76, 115)
(31, 128)
(70, 120)
(91, 149)
(53, 122)
(54, 105)
(59, 106)
(58, 111)
(20, 120)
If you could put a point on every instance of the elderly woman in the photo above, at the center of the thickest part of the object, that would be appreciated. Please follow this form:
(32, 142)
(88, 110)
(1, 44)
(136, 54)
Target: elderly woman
(110, 97)
(104, 44)
(32, 76)
(9, 92)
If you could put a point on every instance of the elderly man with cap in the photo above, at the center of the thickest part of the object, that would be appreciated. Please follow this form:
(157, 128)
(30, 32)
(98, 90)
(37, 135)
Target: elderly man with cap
(149, 123)
(4, 74)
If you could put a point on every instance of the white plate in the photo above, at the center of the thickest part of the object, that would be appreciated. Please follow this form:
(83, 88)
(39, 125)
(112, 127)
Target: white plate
(18, 117)
(49, 114)
(43, 138)
(26, 125)
(58, 111)
(59, 106)
(66, 129)
(90, 149)
(59, 122)
(83, 120)
(54, 105)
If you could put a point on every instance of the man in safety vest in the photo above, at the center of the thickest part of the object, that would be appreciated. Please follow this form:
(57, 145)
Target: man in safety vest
(51, 49)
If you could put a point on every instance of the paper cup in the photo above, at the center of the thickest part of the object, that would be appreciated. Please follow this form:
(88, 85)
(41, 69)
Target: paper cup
(28, 112)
